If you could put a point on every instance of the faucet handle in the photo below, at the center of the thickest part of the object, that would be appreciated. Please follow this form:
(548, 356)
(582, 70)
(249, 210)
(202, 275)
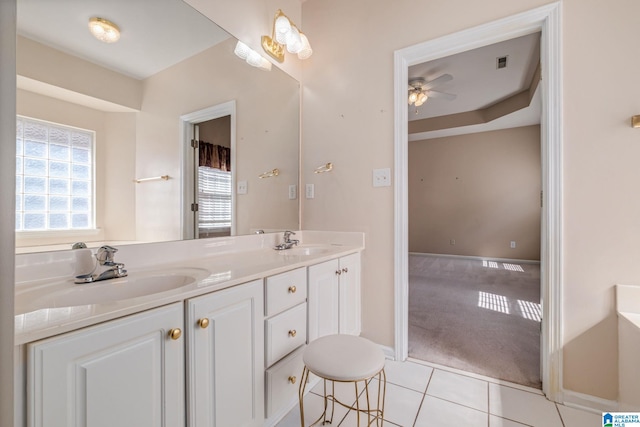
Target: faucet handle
(287, 235)
(105, 254)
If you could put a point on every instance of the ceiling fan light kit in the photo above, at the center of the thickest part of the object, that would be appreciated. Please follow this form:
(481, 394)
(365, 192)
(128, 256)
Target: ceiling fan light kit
(420, 90)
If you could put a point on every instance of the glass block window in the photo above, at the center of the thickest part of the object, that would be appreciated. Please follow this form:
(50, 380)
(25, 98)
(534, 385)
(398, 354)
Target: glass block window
(214, 200)
(54, 176)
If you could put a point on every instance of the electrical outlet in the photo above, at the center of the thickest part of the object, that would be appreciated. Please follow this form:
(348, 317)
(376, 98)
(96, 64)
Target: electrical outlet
(513, 244)
(382, 177)
(309, 191)
(452, 241)
(242, 187)
(293, 192)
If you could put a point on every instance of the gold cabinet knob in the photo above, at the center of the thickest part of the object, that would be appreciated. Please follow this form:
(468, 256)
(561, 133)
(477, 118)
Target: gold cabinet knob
(292, 379)
(175, 333)
(292, 289)
(203, 323)
(345, 270)
(292, 333)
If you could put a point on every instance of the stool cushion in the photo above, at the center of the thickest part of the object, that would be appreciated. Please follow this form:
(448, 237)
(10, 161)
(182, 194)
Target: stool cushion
(343, 358)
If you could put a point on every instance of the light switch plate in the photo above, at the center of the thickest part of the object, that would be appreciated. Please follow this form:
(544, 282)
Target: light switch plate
(293, 192)
(242, 187)
(382, 177)
(310, 191)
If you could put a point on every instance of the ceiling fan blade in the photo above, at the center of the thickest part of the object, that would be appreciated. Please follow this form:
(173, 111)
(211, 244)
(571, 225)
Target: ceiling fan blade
(442, 95)
(437, 81)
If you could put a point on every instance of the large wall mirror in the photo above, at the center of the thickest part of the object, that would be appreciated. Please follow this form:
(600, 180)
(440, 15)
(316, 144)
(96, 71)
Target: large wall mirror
(169, 77)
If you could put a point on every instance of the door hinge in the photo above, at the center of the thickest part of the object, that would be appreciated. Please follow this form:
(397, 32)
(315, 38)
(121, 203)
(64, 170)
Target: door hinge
(194, 143)
(194, 207)
(541, 199)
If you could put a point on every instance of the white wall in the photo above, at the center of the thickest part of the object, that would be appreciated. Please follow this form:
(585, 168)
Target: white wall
(348, 119)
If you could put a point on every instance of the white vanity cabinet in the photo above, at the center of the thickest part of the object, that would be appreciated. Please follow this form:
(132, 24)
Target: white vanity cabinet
(126, 372)
(285, 336)
(225, 348)
(334, 297)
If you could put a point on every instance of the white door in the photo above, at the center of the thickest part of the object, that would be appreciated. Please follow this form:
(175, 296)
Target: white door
(127, 373)
(226, 357)
(323, 298)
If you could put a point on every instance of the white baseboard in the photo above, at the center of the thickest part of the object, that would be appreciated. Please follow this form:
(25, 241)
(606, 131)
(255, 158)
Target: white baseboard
(389, 352)
(589, 403)
(479, 258)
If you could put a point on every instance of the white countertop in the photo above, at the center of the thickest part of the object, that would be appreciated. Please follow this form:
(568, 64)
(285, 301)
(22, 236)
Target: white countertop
(216, 272)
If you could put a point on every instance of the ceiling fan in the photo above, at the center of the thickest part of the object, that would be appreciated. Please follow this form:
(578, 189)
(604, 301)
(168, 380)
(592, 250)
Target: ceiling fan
(420, 89)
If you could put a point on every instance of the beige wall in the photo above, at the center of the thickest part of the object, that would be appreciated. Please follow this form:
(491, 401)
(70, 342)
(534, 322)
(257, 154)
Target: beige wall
(262, 143)
(115, 140)
(348, 119)
(480, 190)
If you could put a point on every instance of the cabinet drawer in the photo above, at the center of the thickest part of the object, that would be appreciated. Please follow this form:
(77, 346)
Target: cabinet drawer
(285, 290)
(283, 381)
(285, 332)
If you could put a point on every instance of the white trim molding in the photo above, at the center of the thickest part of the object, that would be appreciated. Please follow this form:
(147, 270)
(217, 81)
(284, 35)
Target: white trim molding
(547, 20)
(186, 134)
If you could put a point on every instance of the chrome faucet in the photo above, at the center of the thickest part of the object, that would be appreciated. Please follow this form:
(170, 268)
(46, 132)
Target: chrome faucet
(288, 242)
(109, 269)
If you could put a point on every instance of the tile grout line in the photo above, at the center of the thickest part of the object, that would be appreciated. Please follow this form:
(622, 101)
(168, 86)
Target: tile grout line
(559, 414)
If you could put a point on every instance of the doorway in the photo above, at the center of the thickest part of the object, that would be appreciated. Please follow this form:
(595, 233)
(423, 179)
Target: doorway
(474, 211)
(547, 20)
(208, 172)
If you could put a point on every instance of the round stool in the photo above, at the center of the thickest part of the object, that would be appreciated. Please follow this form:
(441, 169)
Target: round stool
(345, 358)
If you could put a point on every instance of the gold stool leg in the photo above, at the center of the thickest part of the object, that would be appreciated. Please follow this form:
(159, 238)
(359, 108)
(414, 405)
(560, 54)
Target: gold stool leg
(303, 383)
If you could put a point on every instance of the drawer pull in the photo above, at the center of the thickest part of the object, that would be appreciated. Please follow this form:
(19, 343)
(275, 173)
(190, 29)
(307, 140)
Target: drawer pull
(292, 379)
(292, 289)
(292, 333)
(345, 270)
(203, 323)
(338, 272)
(175, 333)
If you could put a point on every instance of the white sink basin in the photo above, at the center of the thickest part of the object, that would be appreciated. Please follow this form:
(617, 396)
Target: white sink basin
(68, 294)
(305, 250)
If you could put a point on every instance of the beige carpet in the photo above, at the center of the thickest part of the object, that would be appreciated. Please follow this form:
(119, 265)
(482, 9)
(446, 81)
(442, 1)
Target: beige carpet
(478, 316)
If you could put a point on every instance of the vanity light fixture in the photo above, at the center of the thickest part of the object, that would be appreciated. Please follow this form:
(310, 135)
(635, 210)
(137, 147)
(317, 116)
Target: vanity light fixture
(286, 34)
(252, 57)
(104, 30)
(635, 122)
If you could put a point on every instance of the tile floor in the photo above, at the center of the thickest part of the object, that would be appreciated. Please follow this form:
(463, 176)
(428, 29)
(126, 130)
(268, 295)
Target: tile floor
(426, 396)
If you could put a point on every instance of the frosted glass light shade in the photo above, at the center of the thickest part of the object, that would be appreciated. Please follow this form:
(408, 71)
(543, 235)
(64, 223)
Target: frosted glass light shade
(294, 41)
(252, 57)
(283, 28)
(103, 30)
(305, 51)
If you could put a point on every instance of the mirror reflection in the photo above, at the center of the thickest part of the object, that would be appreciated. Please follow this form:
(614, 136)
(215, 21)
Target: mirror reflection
(170, 79)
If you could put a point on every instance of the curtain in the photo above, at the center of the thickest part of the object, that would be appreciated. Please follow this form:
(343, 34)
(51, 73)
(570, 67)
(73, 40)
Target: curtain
(215, 156)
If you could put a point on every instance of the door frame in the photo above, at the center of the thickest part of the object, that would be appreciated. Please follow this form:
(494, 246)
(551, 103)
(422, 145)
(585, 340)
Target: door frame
(547, 20)
(188, 170)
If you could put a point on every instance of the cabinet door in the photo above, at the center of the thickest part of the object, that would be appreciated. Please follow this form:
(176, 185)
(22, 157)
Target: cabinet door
(126, 372)
(226, 358)
(323, 298)
(350, 294)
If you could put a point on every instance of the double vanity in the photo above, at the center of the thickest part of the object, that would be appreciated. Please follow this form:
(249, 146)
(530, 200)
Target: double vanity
(199, 333)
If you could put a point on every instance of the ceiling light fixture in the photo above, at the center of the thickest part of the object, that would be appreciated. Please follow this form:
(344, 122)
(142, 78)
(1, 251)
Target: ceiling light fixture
(252, 57)
(104, 30)
(286, 34)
